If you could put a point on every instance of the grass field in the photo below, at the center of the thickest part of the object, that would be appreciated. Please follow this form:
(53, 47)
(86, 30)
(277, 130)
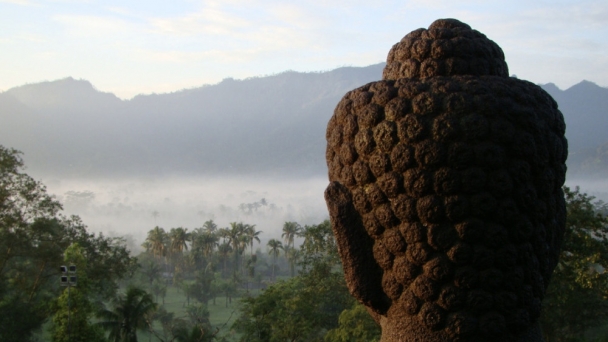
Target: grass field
(221, 315)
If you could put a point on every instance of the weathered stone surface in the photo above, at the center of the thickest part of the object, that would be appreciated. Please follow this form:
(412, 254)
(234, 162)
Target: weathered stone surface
(445, 191)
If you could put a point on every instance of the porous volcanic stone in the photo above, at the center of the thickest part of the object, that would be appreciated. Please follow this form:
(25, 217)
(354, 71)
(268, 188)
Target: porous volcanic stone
(445, 191)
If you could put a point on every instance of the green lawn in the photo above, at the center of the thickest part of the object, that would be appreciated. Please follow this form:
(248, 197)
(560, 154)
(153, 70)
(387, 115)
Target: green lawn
(221, 315)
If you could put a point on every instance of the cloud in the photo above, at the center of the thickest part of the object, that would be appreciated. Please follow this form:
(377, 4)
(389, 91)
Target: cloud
(110, 43)
(208, 20)
(299, 16)
(30, 37)
(558, 17)
(19, 2)
(126, 205)
(119, 10)
(178, 56)
(243, 30)
(93, 25)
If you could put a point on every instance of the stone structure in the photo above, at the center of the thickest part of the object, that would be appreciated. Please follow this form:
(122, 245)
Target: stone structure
(445, 194)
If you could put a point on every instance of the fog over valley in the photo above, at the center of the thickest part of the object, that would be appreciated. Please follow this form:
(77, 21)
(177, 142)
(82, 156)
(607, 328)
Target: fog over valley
(248, 150)
(133, 206)
(164, 169)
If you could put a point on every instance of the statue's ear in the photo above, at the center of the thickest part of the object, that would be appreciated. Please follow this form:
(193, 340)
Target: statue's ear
(362, 273)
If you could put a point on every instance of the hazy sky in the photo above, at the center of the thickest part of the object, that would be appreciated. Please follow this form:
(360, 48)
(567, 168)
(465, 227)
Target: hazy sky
(131, 47)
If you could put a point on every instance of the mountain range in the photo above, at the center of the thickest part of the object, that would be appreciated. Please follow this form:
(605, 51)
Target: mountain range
(273, 125)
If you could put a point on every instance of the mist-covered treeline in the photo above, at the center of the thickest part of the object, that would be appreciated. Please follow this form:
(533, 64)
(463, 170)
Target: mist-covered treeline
(225, 283)
(119, 294)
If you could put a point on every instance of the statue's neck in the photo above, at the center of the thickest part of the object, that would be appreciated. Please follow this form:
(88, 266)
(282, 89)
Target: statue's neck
(409, 329)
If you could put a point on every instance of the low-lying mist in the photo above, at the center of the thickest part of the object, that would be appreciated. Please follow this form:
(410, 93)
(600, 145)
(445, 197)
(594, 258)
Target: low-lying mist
(592, 187)
(132, 207)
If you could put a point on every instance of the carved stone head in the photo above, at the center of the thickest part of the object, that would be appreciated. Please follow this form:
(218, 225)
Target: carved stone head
(446, 191)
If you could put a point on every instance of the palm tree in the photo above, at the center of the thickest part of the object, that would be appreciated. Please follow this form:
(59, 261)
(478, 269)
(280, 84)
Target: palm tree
(203, 245)
(210, 226)
(224, 250)
(147, 246)
(290, 231)
(205, 242)
(292, 255)
(129, 314)
(234, 236)
(224, 234)
(274, 247)
(179, 239)
(252, 234)
(156, 241)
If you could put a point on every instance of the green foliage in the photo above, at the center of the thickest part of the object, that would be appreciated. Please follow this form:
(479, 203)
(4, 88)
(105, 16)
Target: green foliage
(290, 231)
(577, 297)
(319, 246)
(293, 310)
(33, 238)
(194, 327)
(18, 321)
(204, 243)
(108, 256)
(130, 312)
(179, 238)
(27, 242)
(198, 327)
(22, 199)
(156, 242)
(356, 324)
(302, 308)
(151, 270)
(201, 288)
(274, 247)
(159, 289)
(74, 308)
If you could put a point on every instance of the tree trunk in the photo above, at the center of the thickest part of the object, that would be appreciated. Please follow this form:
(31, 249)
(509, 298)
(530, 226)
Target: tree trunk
(8, 255)
(36, 283)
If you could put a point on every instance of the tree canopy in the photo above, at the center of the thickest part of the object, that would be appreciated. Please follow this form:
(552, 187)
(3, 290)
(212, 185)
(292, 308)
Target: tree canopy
(305, 307)
(33, 239)
(314, 305)
(577, 296)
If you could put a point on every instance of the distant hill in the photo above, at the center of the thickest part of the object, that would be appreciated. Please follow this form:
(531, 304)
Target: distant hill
(585, 109)
(271, 125)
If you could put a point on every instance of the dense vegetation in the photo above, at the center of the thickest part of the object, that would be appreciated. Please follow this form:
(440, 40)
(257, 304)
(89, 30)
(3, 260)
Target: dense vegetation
(34, 240)
(277, 292)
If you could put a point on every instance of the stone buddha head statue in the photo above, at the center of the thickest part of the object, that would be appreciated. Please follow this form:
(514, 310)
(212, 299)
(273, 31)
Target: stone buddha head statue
(445, 191)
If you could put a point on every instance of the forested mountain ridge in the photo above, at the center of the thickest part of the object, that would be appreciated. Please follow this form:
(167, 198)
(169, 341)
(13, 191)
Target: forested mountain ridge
(585, 109)
(269, 124)
(266, 125)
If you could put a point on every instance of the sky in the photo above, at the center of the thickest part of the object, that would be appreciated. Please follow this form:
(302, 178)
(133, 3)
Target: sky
(155, 46)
